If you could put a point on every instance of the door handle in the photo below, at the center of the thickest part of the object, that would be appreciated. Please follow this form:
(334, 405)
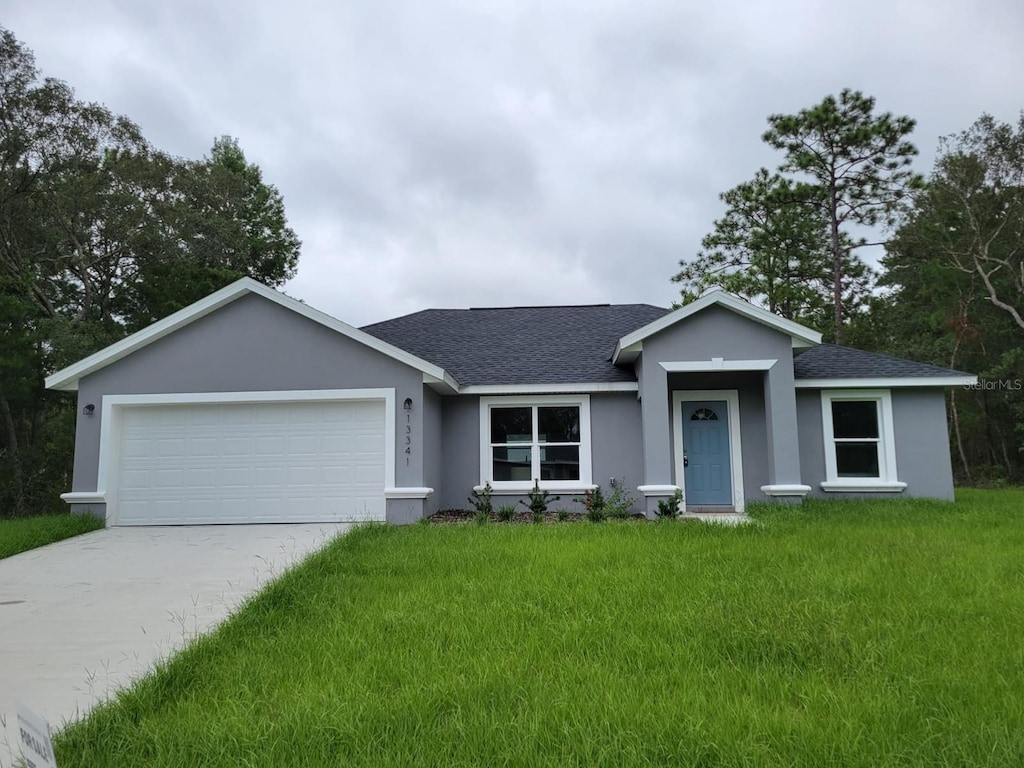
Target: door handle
(686, 461)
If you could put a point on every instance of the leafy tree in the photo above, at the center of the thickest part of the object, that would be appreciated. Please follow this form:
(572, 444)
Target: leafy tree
(953, 270)
(101, 234)
(771, 248)
(856, 164)
(978, 185)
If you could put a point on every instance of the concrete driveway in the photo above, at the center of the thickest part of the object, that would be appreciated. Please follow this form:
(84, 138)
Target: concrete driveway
(84, 616)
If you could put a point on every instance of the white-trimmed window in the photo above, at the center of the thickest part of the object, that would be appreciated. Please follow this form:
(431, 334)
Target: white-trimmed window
(860, 445)
(539, 437)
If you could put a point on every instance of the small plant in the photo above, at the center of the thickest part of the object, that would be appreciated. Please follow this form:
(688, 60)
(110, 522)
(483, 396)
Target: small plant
(481, 518)
(562, 515)
(594, 505)
(481, 500)
(538, 517)
(619, 503)
(669, 509)
(538, 500)
(507, 512)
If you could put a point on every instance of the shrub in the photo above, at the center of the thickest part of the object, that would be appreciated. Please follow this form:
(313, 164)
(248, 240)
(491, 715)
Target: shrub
(619, 503)
(538, 500)
(594, 505)
(481, 518)
(562, 515)
(538, 517)
(481, 500)
(669, 509)
(507, 512)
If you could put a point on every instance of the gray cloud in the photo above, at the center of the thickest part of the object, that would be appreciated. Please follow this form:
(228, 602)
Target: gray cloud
(466, 153)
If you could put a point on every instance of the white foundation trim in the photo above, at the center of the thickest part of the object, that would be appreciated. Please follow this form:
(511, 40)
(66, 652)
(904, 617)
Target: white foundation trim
(658, 490)
(84, 497)
(785, 490)
(407, 493)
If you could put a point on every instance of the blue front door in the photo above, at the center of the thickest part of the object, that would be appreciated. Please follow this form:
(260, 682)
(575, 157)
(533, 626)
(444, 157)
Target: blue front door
(707, 468)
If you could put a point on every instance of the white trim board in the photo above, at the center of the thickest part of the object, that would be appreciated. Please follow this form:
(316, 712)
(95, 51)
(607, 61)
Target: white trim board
(110, 426)
(67, 378)
(732, 400)
(717, 364)
(801, 335)
(542, 389)
(882, 382)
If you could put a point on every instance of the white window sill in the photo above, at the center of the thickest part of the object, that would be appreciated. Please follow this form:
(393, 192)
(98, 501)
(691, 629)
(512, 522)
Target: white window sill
(862, 486)
(507, 489)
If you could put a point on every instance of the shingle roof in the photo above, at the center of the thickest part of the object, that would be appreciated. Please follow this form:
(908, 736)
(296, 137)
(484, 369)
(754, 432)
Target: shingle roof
(829, 361)
(574, 344)
(520, 345)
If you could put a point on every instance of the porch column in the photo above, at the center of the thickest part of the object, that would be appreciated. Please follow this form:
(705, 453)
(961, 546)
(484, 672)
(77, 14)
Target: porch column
(656, 417)
(783, 441)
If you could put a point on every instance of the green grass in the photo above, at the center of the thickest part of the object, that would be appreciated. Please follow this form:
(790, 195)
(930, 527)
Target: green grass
(854, 634)
(26, 533)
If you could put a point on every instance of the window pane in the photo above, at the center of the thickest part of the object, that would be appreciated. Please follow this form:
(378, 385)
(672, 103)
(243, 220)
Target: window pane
(511, 464)
(560, 462)
(511, 425)
(558, 425)
(704, 414)
(855, 418)
(857, 459)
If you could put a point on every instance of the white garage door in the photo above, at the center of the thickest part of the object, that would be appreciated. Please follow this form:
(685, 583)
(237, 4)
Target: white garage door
(319, 461)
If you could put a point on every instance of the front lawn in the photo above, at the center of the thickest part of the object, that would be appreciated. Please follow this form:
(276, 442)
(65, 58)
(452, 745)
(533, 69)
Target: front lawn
(21, 534)
(859, 634)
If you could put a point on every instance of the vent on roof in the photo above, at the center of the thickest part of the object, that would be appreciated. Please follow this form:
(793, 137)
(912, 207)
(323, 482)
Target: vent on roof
(540, 306)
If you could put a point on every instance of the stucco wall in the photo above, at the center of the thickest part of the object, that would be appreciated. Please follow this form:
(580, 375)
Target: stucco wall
(433, 455)
(616, 448)
(718, 332)
(250, 345)
(922, 443)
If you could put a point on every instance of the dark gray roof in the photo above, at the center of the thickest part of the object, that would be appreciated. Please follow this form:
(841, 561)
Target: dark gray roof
(829, 361)
(574, 344)
(520, 345)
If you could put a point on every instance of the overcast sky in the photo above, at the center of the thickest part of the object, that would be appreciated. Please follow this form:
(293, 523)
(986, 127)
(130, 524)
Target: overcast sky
(456, 154)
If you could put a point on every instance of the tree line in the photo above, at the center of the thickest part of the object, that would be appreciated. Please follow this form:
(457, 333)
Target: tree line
(101, 234)
(949, 289)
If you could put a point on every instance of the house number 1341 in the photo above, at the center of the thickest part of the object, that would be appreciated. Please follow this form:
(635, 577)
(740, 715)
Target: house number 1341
(408, 438)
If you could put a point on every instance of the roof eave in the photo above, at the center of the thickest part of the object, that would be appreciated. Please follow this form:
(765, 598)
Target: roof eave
(67, 378)
(885, 382)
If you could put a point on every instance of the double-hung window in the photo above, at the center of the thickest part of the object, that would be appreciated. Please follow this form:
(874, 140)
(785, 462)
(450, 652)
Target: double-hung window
(860, 449)
(543, 437)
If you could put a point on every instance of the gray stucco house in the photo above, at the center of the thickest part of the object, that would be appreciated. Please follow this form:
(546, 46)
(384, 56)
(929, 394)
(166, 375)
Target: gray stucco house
(249, 406)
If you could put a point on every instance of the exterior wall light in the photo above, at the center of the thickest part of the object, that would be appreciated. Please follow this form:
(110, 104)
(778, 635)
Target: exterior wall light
(407, 404)
(89, 410)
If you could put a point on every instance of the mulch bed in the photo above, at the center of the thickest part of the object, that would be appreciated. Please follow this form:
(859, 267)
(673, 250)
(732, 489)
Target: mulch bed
(457, 516)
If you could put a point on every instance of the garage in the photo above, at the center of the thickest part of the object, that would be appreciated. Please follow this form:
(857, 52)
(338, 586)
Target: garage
(188, 463)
